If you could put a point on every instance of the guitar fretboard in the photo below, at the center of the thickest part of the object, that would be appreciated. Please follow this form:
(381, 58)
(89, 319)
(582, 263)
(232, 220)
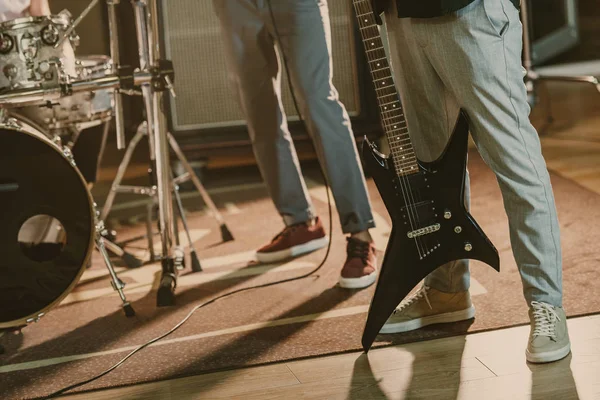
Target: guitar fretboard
(390, 106)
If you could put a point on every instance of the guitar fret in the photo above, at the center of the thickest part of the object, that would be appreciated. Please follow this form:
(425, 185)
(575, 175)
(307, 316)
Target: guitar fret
(391, 102)
(393, 120)
(390, 106)
(399, 141)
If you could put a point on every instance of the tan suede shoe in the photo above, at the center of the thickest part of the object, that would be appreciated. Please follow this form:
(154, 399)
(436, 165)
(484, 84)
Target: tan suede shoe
(429, 306)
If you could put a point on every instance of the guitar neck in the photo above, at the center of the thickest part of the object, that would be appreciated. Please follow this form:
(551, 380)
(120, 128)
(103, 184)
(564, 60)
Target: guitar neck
(390, 107)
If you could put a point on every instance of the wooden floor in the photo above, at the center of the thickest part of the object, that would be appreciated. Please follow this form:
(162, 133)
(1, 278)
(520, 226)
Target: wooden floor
(488, 365)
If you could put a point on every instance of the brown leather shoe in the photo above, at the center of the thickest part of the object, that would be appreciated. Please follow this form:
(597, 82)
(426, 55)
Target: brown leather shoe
(294, 241)
(360, 269)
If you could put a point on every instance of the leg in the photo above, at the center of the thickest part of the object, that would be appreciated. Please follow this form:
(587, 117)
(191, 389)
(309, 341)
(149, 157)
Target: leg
(305, 34)
(431, 113)
(477, 53)
(256, 77)
(117, 284)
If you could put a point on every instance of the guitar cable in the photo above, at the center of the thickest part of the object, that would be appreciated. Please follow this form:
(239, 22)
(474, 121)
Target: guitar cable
(196, 308)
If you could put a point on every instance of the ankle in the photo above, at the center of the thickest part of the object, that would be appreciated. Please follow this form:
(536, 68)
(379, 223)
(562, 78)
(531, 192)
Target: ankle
(364, 236)
(288, 221)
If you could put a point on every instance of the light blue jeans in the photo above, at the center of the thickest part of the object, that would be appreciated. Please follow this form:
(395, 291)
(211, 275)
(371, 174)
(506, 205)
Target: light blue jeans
(249, 40)
(471, 59)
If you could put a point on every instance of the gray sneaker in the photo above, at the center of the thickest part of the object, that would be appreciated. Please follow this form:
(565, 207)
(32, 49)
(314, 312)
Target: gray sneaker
(549, 338)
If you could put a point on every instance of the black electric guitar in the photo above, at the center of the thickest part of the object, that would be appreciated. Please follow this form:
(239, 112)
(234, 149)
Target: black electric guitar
(431, 225)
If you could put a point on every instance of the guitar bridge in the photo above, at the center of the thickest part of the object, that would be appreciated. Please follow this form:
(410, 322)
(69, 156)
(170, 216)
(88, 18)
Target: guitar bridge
(424, 231)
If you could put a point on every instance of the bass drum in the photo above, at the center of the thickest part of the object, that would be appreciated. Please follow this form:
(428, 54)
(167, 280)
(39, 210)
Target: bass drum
(47, 224)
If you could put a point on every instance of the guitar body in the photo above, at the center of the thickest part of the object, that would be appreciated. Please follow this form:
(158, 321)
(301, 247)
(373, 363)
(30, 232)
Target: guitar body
(430, 224)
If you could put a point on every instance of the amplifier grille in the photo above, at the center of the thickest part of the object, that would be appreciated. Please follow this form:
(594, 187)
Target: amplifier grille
(204, 96)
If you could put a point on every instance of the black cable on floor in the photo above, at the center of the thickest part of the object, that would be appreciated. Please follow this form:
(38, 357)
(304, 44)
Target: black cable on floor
(196, 308)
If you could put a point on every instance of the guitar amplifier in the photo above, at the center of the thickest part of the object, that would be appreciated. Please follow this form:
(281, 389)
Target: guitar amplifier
(205, 100)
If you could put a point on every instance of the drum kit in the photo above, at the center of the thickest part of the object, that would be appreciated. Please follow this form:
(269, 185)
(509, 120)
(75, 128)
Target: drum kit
(48, 97)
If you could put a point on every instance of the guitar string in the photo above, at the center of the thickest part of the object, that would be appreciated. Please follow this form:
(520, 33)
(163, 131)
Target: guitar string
(403, 178)
(412, 205)
(377, 37)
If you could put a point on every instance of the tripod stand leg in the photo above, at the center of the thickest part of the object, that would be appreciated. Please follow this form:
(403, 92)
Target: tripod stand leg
(117, 284)
(225, 233)
(129, 259)
(178, 250)
(196, 267)
(121, 173)
(165, 296)
(149, 233)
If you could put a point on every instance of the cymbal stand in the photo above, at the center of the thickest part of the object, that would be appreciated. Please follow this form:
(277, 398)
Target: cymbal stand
(153, 92)
(117, 187)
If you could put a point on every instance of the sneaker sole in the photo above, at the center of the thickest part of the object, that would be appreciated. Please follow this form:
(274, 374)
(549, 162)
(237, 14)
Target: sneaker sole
(417, 323)
(293, 251)
(548, 356)
(358, 283)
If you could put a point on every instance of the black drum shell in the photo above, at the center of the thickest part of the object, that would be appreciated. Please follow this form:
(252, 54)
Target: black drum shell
(39, 179)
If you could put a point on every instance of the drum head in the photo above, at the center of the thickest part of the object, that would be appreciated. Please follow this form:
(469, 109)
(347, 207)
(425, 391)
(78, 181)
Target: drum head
(42, 195)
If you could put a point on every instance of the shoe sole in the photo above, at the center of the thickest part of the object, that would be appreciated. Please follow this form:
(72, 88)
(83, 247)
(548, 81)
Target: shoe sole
(358, 283)
(417, 323)
(548, 356)
(293, 251)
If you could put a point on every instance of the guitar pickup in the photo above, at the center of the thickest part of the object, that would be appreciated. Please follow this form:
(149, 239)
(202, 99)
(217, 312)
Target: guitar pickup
(423, 231)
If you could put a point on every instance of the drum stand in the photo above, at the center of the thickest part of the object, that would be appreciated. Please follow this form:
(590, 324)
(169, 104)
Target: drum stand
(117, 187)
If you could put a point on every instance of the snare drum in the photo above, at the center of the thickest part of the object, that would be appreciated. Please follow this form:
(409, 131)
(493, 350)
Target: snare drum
(46, 225)
(28, 57)
(81, 110)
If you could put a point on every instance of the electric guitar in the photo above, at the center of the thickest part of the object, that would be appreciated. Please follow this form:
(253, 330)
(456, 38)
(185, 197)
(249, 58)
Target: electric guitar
(425, 200)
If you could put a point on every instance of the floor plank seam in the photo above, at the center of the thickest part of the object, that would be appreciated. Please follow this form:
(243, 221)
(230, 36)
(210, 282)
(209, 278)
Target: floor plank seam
(292, 372)
(488, 368)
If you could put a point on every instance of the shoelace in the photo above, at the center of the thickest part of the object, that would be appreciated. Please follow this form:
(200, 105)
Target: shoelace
(357, 248)
(287, 231)
(419, 294)
(544, 318)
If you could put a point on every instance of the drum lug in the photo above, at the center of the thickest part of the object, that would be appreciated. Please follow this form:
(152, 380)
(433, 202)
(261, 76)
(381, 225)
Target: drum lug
(35, 319)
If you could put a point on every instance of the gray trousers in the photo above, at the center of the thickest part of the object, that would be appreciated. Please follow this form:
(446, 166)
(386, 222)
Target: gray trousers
(253, 60)
(471, 59)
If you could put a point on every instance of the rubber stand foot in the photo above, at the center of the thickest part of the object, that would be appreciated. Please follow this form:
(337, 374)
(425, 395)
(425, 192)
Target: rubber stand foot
(131, 261)
(129, 311)
(196, 267)
(226, 234)
(165, 297)
(111, 235)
